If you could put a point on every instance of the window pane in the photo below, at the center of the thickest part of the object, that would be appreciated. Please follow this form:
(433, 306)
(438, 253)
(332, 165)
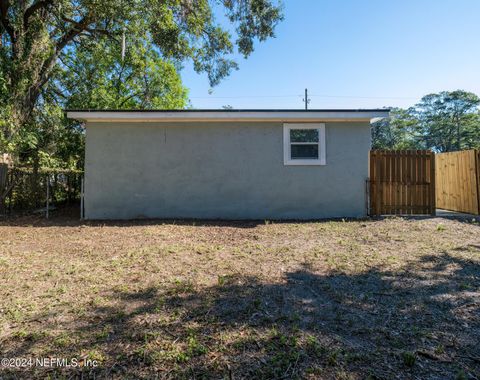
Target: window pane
(303, 135)
(300, 151)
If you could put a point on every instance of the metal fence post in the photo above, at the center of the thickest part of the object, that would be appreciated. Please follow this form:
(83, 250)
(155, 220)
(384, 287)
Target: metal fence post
(81, 199)
(48, 195)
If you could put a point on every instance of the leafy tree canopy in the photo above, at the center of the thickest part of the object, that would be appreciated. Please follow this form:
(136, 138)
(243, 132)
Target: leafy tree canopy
(396, 132)
(448, 120)
(441, 122)
(100, 78)
(110, 54)
(35, 34)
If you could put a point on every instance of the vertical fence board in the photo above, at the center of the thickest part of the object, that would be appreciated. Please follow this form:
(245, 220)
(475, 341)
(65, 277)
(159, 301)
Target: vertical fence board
(477, 175)
(457, 181)
(388, 185)
(378, 171)
(401, 182)
(414, 179)
(421, 175)
(433, 190)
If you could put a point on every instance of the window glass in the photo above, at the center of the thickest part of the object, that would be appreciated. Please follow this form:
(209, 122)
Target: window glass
(304, 144)
(303, 135)
(300, 151)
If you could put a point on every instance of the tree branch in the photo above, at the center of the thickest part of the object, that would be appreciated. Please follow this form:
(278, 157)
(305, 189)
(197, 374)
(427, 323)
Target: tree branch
(87, 28)
(33, 8)
(130, 97)
(49, 63)
(4, 5)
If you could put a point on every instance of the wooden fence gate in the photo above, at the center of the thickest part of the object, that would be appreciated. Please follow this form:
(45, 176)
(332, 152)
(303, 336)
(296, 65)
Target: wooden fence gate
(402, 182)
(458, 181)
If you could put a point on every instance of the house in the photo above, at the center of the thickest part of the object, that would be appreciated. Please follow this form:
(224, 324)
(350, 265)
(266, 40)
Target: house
(226, 164)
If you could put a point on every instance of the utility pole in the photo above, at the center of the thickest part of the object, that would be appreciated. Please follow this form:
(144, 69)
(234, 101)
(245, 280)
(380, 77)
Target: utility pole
(306, 99)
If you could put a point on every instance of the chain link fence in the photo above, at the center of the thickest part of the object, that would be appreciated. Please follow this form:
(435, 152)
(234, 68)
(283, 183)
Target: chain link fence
(23, 190)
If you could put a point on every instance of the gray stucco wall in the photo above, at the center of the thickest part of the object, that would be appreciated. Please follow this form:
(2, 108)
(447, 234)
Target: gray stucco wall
(220, 171)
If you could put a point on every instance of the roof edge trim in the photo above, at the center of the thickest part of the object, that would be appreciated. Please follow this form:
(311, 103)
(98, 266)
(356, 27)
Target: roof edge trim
(228, 115)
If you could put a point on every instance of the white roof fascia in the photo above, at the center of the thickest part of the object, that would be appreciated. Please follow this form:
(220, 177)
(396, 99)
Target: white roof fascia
(219, 116)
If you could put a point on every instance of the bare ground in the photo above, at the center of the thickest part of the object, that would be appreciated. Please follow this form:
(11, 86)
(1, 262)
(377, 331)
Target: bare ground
(381, 299)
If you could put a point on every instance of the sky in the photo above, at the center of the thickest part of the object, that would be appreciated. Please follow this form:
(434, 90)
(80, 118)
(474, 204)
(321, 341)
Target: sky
(353, 54)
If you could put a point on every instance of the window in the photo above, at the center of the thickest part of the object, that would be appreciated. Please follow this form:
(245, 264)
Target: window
(304, 144)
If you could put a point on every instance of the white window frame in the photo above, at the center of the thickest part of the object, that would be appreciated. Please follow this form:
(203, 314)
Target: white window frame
(287, 144)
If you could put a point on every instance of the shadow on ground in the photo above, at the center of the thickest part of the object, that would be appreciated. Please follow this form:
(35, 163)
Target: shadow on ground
(70, 217)
(422, 323)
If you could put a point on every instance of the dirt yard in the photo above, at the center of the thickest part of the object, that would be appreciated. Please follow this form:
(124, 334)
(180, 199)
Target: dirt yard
(375, 299)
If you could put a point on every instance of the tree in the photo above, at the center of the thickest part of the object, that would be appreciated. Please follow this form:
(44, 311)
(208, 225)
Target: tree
(36, 34)
(395, 132)
(471, 132)
(99, 76)
(448, 120)
(441, 122)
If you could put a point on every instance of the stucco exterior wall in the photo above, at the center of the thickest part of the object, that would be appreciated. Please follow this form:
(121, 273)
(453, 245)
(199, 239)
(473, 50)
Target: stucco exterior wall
(229, 170)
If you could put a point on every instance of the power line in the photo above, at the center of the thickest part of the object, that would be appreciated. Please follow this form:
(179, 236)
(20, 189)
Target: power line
(364, 97)
(244, 96)
(309, 96)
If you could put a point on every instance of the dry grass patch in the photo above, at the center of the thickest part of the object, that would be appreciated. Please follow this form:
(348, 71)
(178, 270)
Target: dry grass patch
(379, 299)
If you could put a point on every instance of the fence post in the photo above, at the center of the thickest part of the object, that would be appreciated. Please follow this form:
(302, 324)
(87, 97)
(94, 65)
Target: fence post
(3, 187)
(433, 179)
(81, 199)
(48, 195)
(477, 177)
(367, 197)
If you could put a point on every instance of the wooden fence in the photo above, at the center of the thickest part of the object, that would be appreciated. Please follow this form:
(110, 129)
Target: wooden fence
(458, 181)
(402, 182)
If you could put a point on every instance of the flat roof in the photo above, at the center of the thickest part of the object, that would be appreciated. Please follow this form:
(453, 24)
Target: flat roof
(228, 115)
